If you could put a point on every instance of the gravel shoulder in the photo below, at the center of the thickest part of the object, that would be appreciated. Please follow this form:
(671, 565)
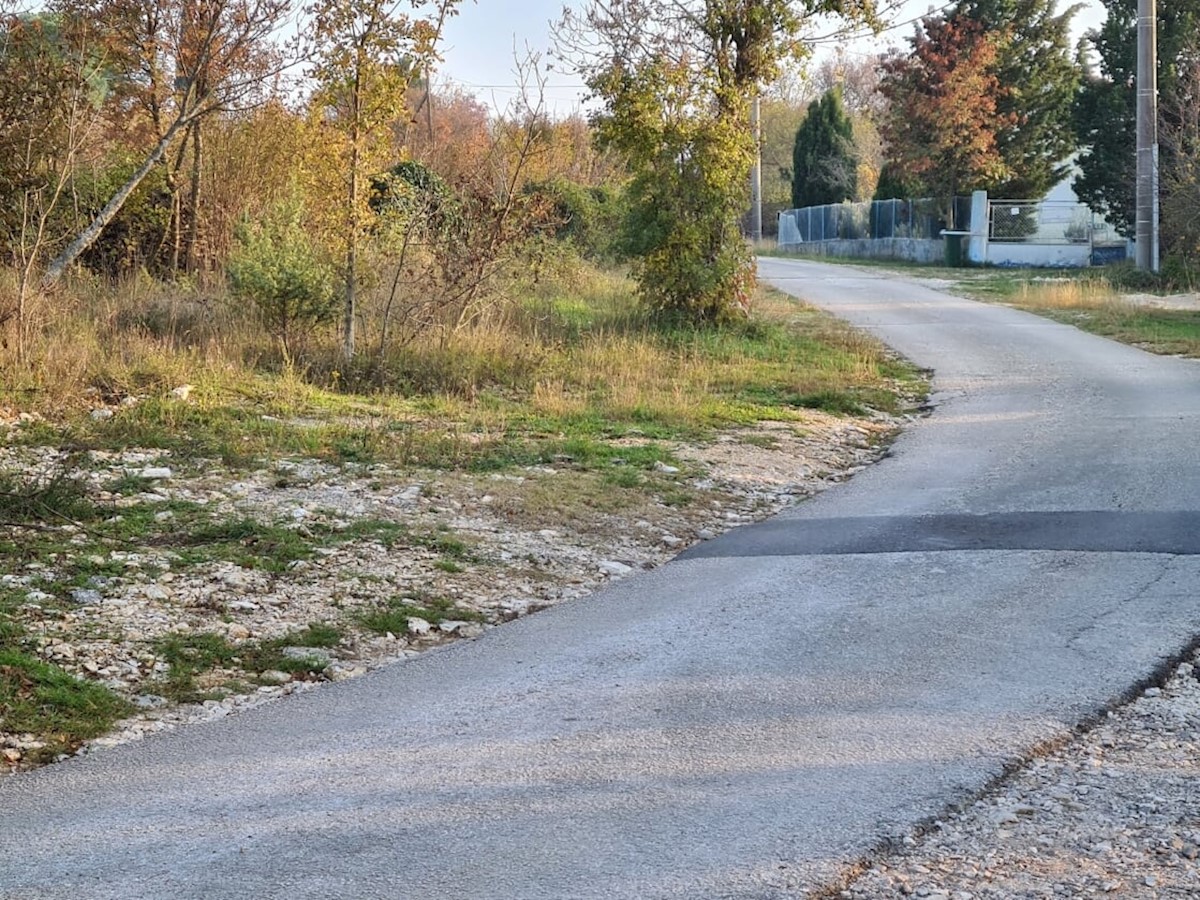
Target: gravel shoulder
(1111, 814)
(518, 542)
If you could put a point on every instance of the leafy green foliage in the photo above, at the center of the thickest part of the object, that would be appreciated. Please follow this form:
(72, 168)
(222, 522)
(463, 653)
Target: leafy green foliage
(674, 79)
(59, 708)
(1179, 140)
(276, 267)
(50, 83)
(894, 184)
(1105, 112)
(589, 217)
(824, 159)
(690, 180)
(410, 193)
(1037, 67)
(134, 238)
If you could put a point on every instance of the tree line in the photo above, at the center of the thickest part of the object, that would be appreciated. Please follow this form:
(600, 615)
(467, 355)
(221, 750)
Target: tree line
(329, 182)
(990, 94)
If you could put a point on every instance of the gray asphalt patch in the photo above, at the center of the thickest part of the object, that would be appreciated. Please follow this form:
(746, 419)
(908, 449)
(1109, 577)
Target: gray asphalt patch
(1176, 533)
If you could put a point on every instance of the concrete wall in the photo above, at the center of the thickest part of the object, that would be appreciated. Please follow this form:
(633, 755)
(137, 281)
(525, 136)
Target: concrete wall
(1050, 256)
(911, 249)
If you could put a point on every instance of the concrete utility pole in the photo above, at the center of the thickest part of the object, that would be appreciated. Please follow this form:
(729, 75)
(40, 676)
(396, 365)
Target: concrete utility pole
(1146, 227)
(756, 173)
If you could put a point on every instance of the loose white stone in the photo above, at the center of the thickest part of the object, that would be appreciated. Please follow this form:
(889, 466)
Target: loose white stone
(417, 625)
(613, 568)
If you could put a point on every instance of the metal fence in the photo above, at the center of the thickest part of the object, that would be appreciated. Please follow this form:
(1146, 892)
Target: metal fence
(869, 220)
(1047, 222)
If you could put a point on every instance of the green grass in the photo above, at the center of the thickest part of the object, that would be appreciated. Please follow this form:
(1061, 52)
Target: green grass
(199, 662)
(59, 709)
(1089, 301)
(392, 616)
(245, 542)
(59, 499)
(1165, 331)
(576, 366)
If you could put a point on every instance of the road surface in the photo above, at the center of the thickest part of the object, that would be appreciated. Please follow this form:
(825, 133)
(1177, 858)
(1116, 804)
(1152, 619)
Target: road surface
(744, 722)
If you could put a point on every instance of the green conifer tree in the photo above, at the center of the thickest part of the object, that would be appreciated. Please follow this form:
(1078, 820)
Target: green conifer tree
(824, 159)
(1040, 74)
(1106, 106)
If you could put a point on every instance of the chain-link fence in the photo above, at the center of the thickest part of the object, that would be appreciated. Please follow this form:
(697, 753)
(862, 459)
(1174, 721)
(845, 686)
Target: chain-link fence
(1046, 222)
(870, 219)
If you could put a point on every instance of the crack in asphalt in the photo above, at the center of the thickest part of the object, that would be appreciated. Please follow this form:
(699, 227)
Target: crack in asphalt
(1144, 590)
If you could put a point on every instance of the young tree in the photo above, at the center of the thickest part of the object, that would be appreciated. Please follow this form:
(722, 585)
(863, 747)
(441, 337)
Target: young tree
(674, 78)
(51, 85)
(196, 57)
(943, 113)
(1106, 106)
(824, 159)
(1040, 75)
(366, 57)
(1180, 176)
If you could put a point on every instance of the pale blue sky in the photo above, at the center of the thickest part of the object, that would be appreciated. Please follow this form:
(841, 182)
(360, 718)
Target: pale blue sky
(479, 43)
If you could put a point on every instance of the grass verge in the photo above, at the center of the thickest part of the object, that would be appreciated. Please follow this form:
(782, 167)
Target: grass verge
(1088, 300)
(573, 377)
(566, 371)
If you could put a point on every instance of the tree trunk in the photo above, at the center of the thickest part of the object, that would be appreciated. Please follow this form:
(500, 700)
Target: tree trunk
(193, 235)
(351, 259)
(88, 236)
(352, 214)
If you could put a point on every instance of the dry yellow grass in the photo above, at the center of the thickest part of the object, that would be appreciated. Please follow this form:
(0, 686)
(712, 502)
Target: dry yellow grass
(1068, 294)
(572, 359)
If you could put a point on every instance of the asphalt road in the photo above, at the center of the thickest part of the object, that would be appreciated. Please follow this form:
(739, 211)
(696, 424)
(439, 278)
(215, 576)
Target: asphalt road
(741, 723)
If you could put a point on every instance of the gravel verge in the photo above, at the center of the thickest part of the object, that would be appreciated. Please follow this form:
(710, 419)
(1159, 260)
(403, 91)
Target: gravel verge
(491, 548)
(1112, 813)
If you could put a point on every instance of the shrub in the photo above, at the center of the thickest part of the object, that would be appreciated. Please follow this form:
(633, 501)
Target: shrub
(587, 217)
(277, 268)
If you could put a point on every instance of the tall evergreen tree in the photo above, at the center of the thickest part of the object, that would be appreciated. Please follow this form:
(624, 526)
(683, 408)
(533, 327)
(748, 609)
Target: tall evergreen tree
(824, 160)
(1105, 112)
(1040, 75)
(894, 184)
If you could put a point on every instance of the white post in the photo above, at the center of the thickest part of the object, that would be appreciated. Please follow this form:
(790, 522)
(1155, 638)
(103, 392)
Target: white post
(977, 243)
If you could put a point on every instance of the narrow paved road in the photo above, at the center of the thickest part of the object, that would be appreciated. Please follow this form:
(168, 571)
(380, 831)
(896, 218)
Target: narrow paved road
(741, 723)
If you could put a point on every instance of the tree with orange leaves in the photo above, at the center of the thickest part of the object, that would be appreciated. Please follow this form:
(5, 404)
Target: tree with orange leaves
(943, 113)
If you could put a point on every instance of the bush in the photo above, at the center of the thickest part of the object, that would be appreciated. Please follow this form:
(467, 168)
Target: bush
(411, 196)
(588, 217)
(276, 267)
(136, 238)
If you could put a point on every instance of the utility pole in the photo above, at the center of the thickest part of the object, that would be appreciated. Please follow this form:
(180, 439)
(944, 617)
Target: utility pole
(1146, 226)
(756, 172)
